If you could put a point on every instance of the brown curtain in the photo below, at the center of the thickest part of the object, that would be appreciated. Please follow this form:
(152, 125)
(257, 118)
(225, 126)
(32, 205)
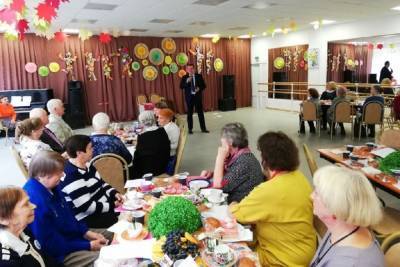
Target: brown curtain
(118, 97)
(294, 72)
(361, 55)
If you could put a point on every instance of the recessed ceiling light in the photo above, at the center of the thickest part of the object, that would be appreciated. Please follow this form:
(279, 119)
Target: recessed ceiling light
(264, 33)
(323, 22)
(71, 30)
(209, 35)
(259, 5)
(397, 8)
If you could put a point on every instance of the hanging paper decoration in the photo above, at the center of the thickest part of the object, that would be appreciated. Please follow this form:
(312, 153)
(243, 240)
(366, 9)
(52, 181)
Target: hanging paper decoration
(391, 46)
(145, 62)
(141, 51)
(199, 58)
(84, 34)
(296, 54)
(210, 56)
(8, 16)
(181, 73)
(344, 61)
(69, 60)
(22, 27)
(116, 33)
(43, 71)
(288, 58)
(60, 36)
(104, 38)
(150, 73)
(379, 46)
(293, 26)
(218, 65)
(90, 61)
(46, 12)
(215, 39)
(168, 45)
(136, 66)
(105, 60)
(370, 46)
(54, 67)
(126, 61)
(156, 56)
(17, 5)
(11, 36)
(165, 70)
(182, 59)
(53, 3)
(302, 64)
(30, 67)
(168, 60)
(173, 67)
(279, 63)
(195, 41)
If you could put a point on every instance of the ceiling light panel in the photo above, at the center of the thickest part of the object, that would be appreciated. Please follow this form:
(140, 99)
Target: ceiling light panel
(210, 2)
(161, 21)
(99, 6)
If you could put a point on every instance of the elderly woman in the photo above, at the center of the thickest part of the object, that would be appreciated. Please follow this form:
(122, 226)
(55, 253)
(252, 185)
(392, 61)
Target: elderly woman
(152, 149)
(280, 208)
(341, 96)
(56, 123)
(396, 105)
(17, 246)
(165, 117)
(313, 96)
(30, 131)
(347, 215)
(60, 235)
(103, 142)
(327, 96)
(237, 171)
(92, 200)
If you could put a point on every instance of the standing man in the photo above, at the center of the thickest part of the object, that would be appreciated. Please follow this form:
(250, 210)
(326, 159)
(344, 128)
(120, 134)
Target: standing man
(193, 84)
(386, 72)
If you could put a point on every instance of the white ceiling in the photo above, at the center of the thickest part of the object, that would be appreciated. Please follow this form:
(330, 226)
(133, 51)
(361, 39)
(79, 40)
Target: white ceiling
(230, 14)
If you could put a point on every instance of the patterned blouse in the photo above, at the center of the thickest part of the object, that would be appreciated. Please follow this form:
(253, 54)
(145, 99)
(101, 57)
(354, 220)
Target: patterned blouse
(29, 148)
(59, 127)
(105, 143)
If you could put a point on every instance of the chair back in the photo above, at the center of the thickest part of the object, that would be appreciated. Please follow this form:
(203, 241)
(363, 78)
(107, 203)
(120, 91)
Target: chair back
(181, 146)
(373, 113)
(141, 99)
(319, 227)
(312, 164)
(154, 98)
(390, 138)
(309, 111)
(113, 169)
(391, 250)
(19, 161)
(343, 112)
(179, 121)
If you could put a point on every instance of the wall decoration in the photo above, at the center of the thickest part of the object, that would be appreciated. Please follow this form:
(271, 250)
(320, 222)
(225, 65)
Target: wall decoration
(126, 61)
(135, 65)
(313, 58)
(10, 36)
(104, 38)
(168, 60)
(279, 63)
(30, 67)
(165, 70)
(85, 34)
(173, 67)
(287, 54)
(54, 67)
(199, 58)
(69, 60)
(107, 70)
(210, 56)
(182, 59)
(156, 56)
(150, 73)
(344, 61)
(60, 36)
(90, 61)
(379, 46)
(22, 27)
(168, 45)
(302, 64)
(145, 62)
(296, 53)
(43, 71)
(181, 73)
(218, 65)
(141, 51)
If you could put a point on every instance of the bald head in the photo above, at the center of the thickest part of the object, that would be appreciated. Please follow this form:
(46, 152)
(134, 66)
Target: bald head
(39, 113)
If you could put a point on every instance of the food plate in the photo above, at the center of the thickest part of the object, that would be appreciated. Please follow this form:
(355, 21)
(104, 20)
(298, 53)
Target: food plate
(175, 189)
(133, 206)
(199, 183)
(141, 236)
(210, 261)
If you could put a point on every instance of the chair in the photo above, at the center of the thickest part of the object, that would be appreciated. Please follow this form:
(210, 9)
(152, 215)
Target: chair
(390, 138)
(19, 161)
(5, 129)
(310, 113)
(372, 114)
(113, 169)
(140, 101)
(391, 250)
(389, 224)
(154, 98)
(342, 114)
(181, 146)
(312, 164)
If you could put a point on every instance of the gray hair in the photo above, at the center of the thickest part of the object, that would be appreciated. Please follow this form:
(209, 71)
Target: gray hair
(341, 91)
(52, 104)
(100, 121)
(147, 118)
(236, 134)
(37, 113)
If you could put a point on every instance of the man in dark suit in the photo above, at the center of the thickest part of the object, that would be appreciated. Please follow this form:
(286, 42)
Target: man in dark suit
(386, 72)
(193, 85)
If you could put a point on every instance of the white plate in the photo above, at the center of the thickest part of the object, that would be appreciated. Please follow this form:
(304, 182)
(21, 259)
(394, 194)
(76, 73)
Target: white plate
(199, 184)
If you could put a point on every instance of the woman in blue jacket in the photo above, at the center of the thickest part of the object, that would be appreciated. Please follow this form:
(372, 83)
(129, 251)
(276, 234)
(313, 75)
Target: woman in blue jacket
(55, 227)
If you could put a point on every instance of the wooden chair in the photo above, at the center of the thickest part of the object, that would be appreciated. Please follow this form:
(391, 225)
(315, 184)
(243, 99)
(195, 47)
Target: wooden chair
(181, 146)
(312, 164)
(372, 114)
(154, 98)
(390, 138)
(310, 113)
(5, 129)
(391, 249)
(113, 169)
(389, 224)
(19, 161)
(140, 101)
(342, 114)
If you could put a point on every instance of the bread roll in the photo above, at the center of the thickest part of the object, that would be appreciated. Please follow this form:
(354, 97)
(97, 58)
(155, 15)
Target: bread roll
(213, 222)
(246, 262)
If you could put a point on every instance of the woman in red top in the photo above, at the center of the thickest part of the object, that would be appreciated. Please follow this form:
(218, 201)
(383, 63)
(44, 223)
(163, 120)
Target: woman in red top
(7, 113)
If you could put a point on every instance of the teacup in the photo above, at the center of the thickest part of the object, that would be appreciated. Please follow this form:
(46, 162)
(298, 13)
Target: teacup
(346, 154)
(223, 254)
(148, 176)
(135, 229)
(215, 195)
(370, 145)
(350, 148)
(132, 194)
(182, 179)
(146, 186)
(138, 216)
(210, 244)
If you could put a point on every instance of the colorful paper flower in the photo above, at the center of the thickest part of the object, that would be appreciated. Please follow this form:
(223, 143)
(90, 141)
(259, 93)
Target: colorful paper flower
(8, 15)
(104, 38)
(60, 36)
(22, 27)
(18, 5)
(84, 34)
(379, 46)
(46, 12)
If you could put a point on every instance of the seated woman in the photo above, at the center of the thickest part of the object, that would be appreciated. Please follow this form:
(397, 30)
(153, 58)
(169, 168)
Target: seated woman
(152, 148)
(387, 86)
(327, 96)
(313, 96)
(396, 105)
(60, 235)
(347, 215)
(7, 114)
(165, 117)
(341, 96)
(30, 131)
(17, 245)
(92, 200)
(280, 208)
(103, 142)
(237, 171)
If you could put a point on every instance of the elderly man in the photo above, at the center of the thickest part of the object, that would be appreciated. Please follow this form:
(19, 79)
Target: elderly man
(47, 137)
(341, 96)
(56, 123)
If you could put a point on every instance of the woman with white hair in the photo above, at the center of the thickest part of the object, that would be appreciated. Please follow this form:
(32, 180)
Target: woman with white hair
(105, 143)
(56, 123)
(152, 149)
(346, 203)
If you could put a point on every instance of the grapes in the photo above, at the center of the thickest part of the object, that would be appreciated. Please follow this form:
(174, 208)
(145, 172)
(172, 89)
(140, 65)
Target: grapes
(177, 247)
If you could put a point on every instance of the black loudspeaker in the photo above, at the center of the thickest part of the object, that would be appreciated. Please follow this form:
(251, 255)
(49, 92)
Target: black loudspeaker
(372, 78)
(280, 77)
(349, 76)
(228, 86)
(75, 115)
(227, 104)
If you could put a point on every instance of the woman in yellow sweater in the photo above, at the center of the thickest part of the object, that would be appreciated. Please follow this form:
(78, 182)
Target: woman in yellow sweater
(280, 208)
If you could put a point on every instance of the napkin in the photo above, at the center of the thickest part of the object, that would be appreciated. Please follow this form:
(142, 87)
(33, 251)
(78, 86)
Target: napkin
(371, 170)
(383, 152)
(119, 227)
(133, 249)
(134, 183)
(188, 262)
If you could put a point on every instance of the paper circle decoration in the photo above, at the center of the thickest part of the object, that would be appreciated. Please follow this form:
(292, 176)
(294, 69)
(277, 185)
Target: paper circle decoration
(156, 56)
(168, 60)
(218, 65)
(279, 63)
(181, 73)
(54, 67)
(350, 62)
(305, 56)
(165, 70)
(135, 66)
(168, 45)
(150, 73)
(145, 62)
(30, 67)
(43, 71)
(182, 59)
(141, 50)
(302, 64)
(173, 67)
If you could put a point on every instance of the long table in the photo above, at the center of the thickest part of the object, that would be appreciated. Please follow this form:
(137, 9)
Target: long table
(328, 155)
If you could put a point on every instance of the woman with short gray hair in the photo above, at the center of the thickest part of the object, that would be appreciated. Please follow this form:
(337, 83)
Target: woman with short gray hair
(237, 170)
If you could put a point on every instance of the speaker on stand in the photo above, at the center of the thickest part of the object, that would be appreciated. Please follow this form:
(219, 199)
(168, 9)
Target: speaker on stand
(75, 112)
(228, 101)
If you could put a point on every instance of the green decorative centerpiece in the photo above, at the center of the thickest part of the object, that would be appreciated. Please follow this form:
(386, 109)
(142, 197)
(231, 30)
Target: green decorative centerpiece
(390, 162)
(174, 213)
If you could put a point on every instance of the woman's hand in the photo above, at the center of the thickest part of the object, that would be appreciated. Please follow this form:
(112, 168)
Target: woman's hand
(90, 235)
(206, 173)
(119, 199)
(96, 245)
(223, 150)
